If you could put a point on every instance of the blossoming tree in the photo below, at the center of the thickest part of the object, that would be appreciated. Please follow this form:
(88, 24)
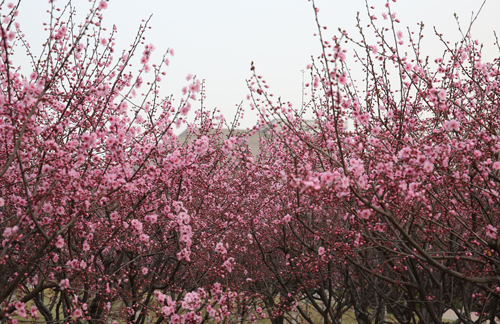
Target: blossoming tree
(106, 215)
(97, 212)
(407, 198)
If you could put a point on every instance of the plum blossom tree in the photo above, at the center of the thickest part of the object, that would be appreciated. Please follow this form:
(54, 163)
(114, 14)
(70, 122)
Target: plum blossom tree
(97, 208)
(106, 215)
(407, 198)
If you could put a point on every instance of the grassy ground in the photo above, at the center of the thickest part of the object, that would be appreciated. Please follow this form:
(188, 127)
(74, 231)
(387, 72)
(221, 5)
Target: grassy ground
(347, 318)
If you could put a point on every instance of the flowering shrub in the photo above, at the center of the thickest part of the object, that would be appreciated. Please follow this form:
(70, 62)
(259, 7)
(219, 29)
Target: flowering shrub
(399, 212)
(96, 192)
(106, 215)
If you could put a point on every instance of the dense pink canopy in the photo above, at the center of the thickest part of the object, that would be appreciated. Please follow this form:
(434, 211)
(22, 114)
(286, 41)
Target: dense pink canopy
(106, 214)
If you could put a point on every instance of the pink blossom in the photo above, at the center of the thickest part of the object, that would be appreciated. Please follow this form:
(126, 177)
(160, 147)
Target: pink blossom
(364, 214)
(115, 217)
(184, 217)
(230, 143)
(151, 218)
(11, 35)
(19, 305)
(228, 264)
(137, 225)
(452, 125)
(176, 319)
(144, 270)
(491, 232)
(220, 248)
(103, 5)
(160, 296)
(47, 208)
(167, 310)
(375, 131)
(184, 255)
(195, 87)
(185, 109)
(59, 242)
(121, 136)
(72, 263)
(85, 137)
(110, 141)
(404, 153)
(64, 284)
(327, 177)
(22, 313)
(9, 231)
(363, 119)
(185, 238)
(191, 300)
(442, 94)
(138, 83)
(321, 251)
(316, 81)
(428, 166)
(78, 313)
(34, 312)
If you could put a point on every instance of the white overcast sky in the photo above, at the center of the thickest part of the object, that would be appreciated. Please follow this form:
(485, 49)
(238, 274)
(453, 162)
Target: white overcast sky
(217, 39)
